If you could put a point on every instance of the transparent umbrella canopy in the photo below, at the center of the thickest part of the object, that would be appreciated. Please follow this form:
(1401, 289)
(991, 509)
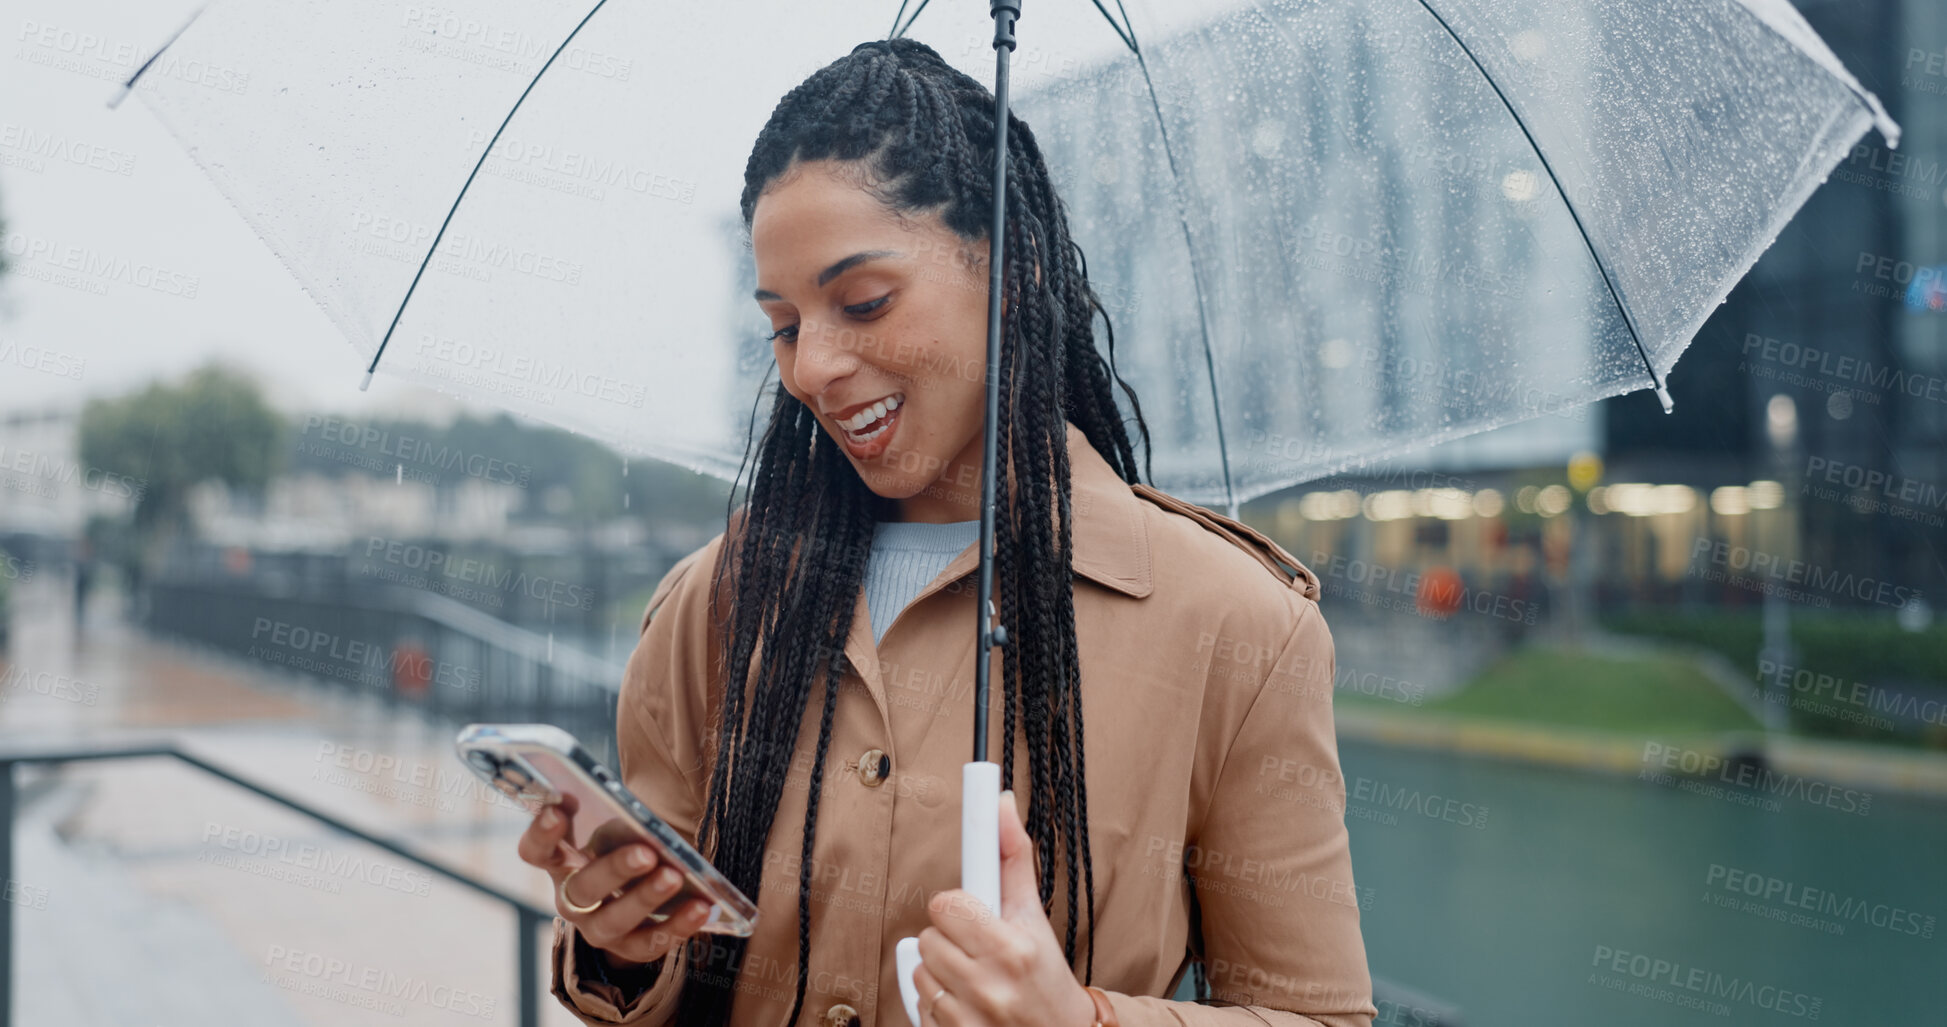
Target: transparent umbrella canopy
(1324, 232)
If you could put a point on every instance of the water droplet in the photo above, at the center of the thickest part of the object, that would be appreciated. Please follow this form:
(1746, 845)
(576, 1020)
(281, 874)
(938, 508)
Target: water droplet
(398, 474)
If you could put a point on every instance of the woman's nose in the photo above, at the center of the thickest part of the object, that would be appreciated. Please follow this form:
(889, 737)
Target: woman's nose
(826, 353)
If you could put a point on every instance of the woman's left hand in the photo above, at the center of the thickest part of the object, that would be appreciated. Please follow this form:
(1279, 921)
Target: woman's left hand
(1005, 971)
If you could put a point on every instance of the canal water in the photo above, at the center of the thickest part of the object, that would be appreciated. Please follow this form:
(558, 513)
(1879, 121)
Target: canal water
(1530, 895)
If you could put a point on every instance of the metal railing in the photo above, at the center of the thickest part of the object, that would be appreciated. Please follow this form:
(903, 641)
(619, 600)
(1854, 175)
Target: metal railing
(404, 646)
(528, 919)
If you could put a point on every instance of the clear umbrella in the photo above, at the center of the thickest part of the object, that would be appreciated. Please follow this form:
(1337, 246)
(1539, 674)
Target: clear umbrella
(1327, 232)
(1324, 233)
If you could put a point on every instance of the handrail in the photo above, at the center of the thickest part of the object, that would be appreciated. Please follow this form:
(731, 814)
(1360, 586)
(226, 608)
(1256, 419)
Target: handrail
(529, 918)
(449, 612)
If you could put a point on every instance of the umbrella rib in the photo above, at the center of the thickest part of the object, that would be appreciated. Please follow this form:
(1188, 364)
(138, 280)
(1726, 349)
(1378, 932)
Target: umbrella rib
(171, 41)
(898, 30)
(1196, 281)
(1129, 36)
(1629, 320)
(471, 175)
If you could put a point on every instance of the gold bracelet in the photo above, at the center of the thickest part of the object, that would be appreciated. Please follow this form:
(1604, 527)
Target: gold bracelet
(1104, 1012)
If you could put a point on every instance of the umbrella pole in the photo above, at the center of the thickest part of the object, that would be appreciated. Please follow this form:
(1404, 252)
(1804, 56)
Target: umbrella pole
(980, 778)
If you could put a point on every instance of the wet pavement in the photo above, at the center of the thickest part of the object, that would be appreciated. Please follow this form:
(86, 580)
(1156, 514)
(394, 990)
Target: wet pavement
(150, 892)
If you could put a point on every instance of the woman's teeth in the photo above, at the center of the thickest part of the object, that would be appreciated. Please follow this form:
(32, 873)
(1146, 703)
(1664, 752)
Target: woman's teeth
(853, 424)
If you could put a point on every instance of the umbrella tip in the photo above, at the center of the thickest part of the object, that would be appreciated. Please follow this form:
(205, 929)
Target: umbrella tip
(366, 383)
(1663, 394)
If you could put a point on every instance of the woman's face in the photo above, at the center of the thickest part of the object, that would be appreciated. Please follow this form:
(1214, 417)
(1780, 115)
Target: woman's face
(878, 316)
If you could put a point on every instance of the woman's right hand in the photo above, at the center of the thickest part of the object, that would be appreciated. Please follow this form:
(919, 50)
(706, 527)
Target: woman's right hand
(621, 927)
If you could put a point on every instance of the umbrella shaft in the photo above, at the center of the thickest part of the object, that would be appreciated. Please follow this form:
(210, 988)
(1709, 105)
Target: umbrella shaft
(988, 634)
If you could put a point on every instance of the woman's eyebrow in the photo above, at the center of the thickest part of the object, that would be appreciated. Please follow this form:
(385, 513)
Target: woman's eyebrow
(834, 271)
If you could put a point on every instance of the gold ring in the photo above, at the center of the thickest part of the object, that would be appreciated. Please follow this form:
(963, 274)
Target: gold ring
(561, 892)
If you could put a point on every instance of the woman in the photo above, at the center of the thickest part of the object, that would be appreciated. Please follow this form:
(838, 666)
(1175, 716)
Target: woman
(1202, 818)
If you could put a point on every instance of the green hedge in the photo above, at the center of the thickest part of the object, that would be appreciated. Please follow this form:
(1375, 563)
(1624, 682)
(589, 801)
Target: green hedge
(1652, 694)
(1848, 645)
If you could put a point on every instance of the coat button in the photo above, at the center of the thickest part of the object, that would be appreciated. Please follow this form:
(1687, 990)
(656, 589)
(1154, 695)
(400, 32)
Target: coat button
(874, 766)
(842, 1015)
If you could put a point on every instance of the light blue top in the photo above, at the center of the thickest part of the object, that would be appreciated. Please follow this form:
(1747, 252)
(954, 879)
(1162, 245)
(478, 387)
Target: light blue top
(906, 556)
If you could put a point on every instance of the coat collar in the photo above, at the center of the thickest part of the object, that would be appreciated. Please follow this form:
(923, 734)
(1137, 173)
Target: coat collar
(1111, 539)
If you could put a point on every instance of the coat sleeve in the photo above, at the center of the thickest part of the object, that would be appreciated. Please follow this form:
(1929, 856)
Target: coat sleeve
(1272, 865)
(660, 724)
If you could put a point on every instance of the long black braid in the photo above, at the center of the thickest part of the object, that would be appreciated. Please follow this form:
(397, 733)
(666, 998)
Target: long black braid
(918, 135)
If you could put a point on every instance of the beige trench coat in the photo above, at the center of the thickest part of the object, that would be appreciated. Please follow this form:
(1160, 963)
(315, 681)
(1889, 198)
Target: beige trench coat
(1207, 674)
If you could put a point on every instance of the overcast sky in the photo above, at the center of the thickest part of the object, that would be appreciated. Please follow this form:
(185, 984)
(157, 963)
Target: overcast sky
(137, 198)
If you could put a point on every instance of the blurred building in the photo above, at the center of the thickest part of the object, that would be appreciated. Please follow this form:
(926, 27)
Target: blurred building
(45, 488)
(1826, 368)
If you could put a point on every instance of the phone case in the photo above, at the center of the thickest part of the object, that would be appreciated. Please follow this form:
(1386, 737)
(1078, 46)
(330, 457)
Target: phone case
(540, 764)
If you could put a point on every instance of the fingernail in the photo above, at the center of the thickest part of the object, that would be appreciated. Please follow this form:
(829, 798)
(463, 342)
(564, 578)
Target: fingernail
(639, 858)
(549, 818)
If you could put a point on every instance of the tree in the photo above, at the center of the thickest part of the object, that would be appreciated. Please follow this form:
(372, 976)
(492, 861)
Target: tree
(170, 437)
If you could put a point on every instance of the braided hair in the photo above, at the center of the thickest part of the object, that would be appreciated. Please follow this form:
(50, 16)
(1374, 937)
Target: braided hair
(918, 136)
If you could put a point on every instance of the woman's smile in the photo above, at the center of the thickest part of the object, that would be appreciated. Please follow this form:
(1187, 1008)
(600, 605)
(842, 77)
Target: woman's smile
(867, 429)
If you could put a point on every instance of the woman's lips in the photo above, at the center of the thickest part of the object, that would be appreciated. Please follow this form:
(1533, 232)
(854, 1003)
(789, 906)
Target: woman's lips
(880, 433)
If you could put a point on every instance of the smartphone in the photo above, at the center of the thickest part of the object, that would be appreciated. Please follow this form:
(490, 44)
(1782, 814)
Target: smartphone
(540, 764)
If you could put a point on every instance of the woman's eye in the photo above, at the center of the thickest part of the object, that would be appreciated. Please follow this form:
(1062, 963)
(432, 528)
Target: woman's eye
(856, 310)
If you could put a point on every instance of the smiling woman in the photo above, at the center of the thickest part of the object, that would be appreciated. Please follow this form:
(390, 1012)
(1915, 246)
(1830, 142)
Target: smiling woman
(867, 196)
(860, 339)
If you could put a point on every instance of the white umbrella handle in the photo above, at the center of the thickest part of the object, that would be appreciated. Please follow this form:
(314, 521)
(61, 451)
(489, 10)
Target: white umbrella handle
(980, 861)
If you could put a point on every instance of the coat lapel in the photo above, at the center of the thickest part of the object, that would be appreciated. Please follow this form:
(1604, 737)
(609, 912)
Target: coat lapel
(1111, 548)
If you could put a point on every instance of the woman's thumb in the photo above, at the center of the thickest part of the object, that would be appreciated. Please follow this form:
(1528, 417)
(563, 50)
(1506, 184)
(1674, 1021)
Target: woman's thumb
(1017, 858)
